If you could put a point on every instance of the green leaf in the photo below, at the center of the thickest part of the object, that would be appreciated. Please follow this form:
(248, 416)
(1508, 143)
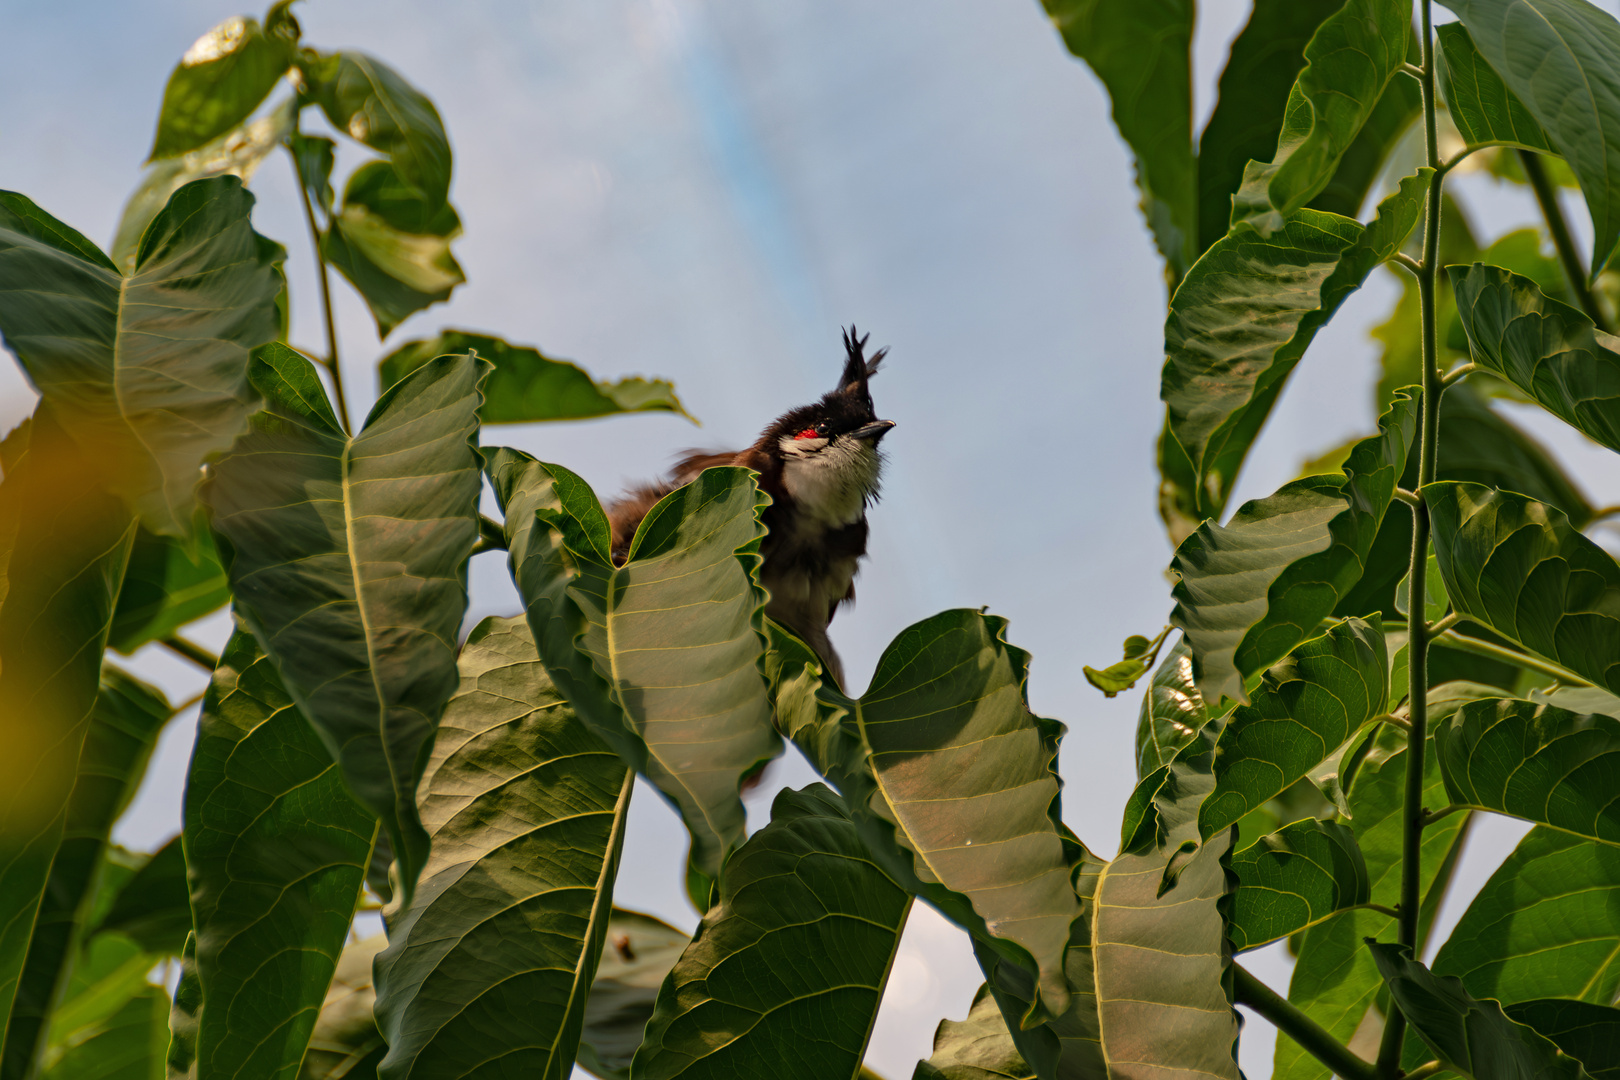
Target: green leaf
(1435, 601)
(527, 385)
(372, 104)
(1588, 1033)
(660, 655)
(220, 82)
(1518, 567)
(393, 245)
(68, 544)
(1251, 590)
(976, 1048)
(348, 558)
(946, 710)
(345, 1044)
(1295, 878)
(314, 157)
(1172, 711)
(165, 587)
(526, 809)
(1474, 1037)
(124, 726)
(1142, 52)
(1359, 168)
(1547, 349)
(277, 848)
(641, 951)
(1537, 762)
(1485, 111)
(126, 1042)
(183, 1011)
(154, 908)
(795, 954)
(1483, 447)
(1561, 58)
(1245, 315)
(1349, 62)
(147, 372)
(1115, 678)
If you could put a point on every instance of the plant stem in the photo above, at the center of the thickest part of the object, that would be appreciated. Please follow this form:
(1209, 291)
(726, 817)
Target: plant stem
(1294, 1023)
(324, 275)
(1547, 197)
(190, 650)
(1453, 640)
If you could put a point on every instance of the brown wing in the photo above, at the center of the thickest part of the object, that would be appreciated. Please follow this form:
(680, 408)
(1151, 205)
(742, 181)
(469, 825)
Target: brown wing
(627, 511)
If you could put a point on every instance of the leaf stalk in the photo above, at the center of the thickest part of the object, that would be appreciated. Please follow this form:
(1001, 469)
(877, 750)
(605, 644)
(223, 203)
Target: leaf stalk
(190, 650)
(1297, 1025)
(323, 274)
(1558, 228)
(1458, 373)
(1462, 643)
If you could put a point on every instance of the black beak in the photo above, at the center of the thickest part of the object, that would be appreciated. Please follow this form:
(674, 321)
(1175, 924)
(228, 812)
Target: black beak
(873, 431)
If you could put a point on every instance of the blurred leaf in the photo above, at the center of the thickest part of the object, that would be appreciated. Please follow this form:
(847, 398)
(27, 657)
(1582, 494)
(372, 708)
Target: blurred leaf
(1142, 52)
(1560, 58)
(1518, 567)
(1474, 1037)
(640, 952)
(183, 1010)
(526, 809)
(1485, 111)
(277, 849)
(345, 1043)
(371, 103)
(148, 372)
(527, 385)
(165, 587)
(1252, 590)
(314, 157)
(1172, 711)
(1397, 110)
(348, 558)
(220, 82)
(111, 1032)
(946, 710)
(1349, 62)
(977, 1048)
(1295, 878)
(1586, 1032)
(154, 908)
(795, 954)
(1179, 497)
(1246, 314)
(660, 655)
(1435, 601)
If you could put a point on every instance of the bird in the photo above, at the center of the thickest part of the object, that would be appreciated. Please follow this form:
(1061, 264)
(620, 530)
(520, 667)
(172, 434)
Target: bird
(821, 466)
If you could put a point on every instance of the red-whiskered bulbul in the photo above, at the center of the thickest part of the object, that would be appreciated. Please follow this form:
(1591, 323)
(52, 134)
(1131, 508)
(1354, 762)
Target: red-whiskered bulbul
(820, 465)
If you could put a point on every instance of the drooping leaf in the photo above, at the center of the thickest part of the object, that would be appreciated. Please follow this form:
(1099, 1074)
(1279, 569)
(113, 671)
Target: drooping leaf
(1142, 52)
(1589, 1033)
(165, 587)
(1359, 167)
(220, 81)
(1251, 590)
(147, 372)
(372, 103)
(659, 656)
(1472, 1036)
(314, 157)
(640, 952)
(946, 711)
(1246, 314)
(1561, 59)
(526, 385)
(154, 908)
(348, 559)
(526, 808)
(795, 954)
(277, 849)
(1518, 567)
(1349, 62)
(976, 1048)
(1172, 711)
(346, 1044)
(1485, 111)
(1295, 878)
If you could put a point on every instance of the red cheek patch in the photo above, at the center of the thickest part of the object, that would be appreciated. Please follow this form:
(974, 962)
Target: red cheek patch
(808, 433)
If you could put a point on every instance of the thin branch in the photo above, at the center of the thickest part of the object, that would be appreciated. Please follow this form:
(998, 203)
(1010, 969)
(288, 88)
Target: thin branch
(324, 276)
(1453, 640)
(1380, 908)
(1431, 816)
(1394, 721)
(1407, 261)
(1293, 1022)
(1603, 513)
(1410, 498)
(190, 650)
(1574, 271)
(1458, 373)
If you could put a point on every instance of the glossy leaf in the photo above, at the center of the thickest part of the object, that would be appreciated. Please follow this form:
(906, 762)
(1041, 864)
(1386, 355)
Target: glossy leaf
(153, 909)
(345, 1044)
(165, 587)
(1561, 58)
(946, 711)
(1142, 52)
(1359, 168)
(1586, 1032)
(490, 967)
(1172, 711)
(220, 82)
(659, 655)
(1485, 111)
(1251, 590)
(1349, 62)
(794, 954)
(976, 1048)
(1472, 1036)
(526, 385)
(147, 372)
(1518, 567)
(277, 849)
(371, 103)
(348, 558)
(1295, 878)
(640, 952)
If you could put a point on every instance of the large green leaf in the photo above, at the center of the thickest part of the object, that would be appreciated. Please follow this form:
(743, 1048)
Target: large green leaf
(68, 543)
(976, 1048)
(165, 587)
(1561, 59)
(946, 712)
(1172, 711)
(1543, 925)
(1349, 62)
(1485, 111)
(1251, 590)
(277, 848)
(490, 966)
(1295, 878)
(641, 951)
(526, 385)
(123, 729)
(1246, 314)
(220, 80)
(1518, 567)
(348, 558)
(659, 656)
(371, 103)
(1586, 1032)
(1471, 1036)
(1547, 349)
(147, 372)
(795, 954)
(1483, 447)
(1360, 166)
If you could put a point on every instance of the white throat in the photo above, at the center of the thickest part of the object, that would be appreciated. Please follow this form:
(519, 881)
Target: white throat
(831, 480)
